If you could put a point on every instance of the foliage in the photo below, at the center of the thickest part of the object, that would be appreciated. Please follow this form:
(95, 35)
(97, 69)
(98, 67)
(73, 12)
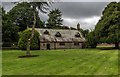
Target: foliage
(9, 30)
(91, 40)
(24, 36)
(84, 32)
(64, 27)
(36, 6)
(55, 20)
(107, 29)
(22, 16)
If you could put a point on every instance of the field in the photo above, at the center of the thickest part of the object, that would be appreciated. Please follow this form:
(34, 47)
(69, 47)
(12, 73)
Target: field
(0, 62)
(61, 62)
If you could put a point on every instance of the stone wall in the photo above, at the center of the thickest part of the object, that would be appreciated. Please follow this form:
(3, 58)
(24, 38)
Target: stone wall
(66, 46)
(76, 46)
(43, 46)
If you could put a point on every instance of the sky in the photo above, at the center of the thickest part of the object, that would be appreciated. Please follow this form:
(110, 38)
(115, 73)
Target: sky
(85, 13)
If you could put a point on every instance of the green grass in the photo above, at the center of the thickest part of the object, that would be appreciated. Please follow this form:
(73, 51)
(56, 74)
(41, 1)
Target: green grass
(0, 62)
(61, 62)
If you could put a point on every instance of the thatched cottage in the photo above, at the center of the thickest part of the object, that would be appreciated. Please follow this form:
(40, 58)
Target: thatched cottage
(60, 39)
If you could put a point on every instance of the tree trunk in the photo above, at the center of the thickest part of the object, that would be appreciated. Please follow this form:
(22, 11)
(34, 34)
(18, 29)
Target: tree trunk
(32, 35)
(117, 45)
(28, 48)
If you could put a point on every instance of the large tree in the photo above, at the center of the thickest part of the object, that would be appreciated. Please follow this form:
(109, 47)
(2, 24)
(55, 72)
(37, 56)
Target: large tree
(107, 29)
(9, 30)
(22, 16)
(36, 6)
(55, 19)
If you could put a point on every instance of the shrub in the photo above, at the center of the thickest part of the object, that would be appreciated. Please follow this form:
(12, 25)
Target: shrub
(23, 39)
(91, 40)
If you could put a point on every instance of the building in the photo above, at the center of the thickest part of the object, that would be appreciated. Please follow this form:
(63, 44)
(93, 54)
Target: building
(60, 39)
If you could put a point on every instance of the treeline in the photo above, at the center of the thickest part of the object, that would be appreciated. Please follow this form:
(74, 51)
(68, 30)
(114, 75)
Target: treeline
(17, 20)
(107, 29)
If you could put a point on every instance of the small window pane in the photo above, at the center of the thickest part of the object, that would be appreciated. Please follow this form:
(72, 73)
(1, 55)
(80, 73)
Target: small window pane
(62, 43)
(76, 44)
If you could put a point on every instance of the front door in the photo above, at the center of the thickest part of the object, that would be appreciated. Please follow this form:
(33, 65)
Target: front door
(48, 46)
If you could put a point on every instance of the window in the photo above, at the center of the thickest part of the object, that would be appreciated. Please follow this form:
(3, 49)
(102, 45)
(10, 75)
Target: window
(76, 44)
(62, 43)
(77, 35)
(46, 32)
(58, 34)
(43, 44)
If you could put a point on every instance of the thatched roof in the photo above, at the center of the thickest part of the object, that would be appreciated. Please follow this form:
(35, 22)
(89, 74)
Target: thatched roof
(60, 35)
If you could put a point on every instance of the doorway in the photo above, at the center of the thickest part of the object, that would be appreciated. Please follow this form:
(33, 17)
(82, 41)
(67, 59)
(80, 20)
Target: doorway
(48, 46)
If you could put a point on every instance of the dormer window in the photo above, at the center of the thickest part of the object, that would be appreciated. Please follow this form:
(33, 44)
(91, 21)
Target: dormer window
(77, 35)
(46, 32)
(58, 34)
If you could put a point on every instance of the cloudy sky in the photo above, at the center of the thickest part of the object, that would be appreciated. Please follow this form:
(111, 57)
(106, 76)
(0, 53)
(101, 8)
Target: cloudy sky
(85, 13)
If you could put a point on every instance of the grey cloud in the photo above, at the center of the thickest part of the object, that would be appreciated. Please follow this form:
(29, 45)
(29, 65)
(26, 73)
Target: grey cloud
(73, 9)
(80, 9)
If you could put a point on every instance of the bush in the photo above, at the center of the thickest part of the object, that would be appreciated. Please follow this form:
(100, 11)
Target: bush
(91, 40)
(6, 44)
(23, 39)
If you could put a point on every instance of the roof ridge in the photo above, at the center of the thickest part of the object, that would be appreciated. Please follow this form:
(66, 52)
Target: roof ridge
(56, 29)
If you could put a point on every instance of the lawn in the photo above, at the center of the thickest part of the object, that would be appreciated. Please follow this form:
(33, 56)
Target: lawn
(61, 62)
(0, 62)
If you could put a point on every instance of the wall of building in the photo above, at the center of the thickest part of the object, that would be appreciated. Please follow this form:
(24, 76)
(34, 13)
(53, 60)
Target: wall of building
(76, 46)
(43, 46)
(52, 46)
(66, 46)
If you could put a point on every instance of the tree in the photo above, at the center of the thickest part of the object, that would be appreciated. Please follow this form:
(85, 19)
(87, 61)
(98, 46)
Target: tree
(36, 6)
(64, 27)
(55, 20)
(22, 16)
(84, 32)
(9, 30)
(91, 40)
(107, 29)
(24, 36)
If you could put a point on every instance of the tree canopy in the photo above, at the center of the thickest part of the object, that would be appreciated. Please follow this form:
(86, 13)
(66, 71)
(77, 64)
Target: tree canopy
(55, 20)
(22, 16)
(107, 29)
(9, 30)
(36, 7)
